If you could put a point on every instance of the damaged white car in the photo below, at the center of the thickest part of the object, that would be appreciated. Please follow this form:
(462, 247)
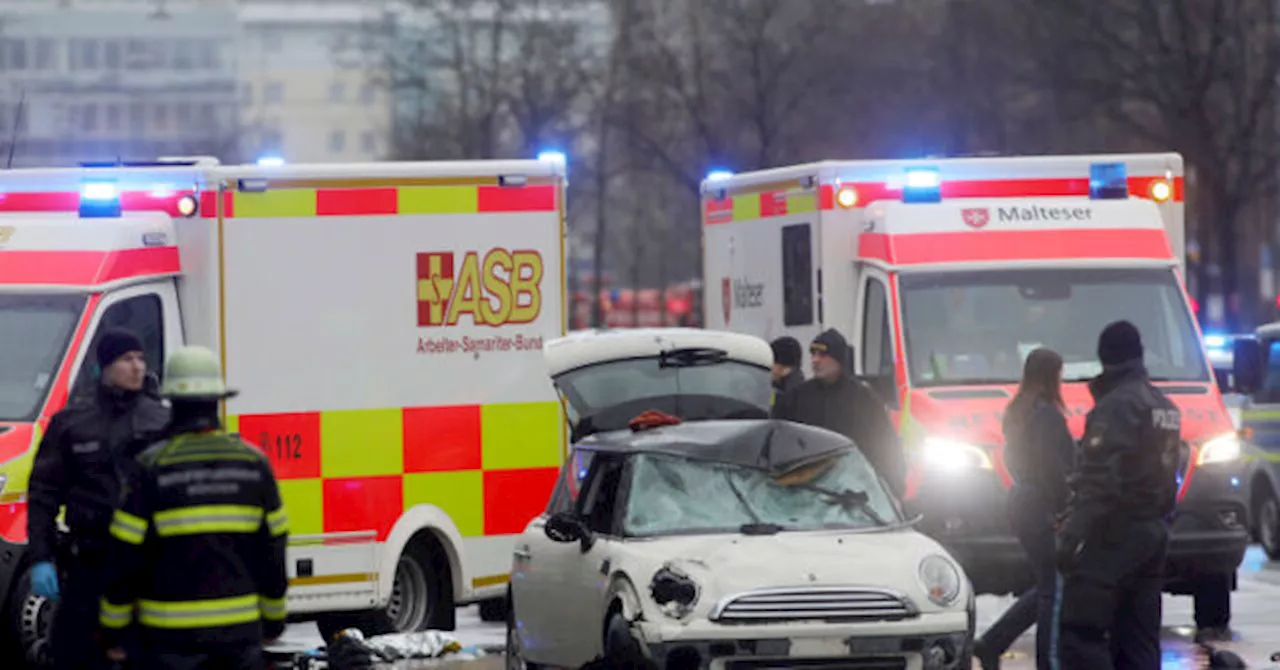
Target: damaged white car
(725, 540)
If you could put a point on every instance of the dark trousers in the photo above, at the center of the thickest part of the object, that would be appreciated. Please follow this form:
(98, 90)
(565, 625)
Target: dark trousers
(1037, 605)
(1111, 602)
(1212, 597)
(73, 640)
(228, 658)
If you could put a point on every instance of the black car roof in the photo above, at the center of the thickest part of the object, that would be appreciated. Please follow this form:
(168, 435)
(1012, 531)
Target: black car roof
(770, 444)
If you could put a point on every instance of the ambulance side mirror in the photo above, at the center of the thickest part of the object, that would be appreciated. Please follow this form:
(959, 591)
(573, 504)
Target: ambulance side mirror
(1247, 364)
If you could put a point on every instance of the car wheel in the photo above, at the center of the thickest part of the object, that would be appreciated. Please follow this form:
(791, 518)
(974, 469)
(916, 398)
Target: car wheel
(620, 646)
(29, 618)
(514, 653)
(1268, 511)
(494, 610)
(421, 598)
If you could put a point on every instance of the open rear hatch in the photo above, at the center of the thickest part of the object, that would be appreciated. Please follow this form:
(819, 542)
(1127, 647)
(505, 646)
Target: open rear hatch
(694, 383)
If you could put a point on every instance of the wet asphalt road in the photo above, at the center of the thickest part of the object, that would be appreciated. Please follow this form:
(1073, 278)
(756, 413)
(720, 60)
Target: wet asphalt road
(1256, 621)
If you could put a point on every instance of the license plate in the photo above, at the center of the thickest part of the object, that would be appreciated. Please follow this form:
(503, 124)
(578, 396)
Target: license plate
(819, 646)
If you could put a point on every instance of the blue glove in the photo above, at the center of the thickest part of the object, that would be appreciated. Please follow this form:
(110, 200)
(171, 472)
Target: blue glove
(44, 580)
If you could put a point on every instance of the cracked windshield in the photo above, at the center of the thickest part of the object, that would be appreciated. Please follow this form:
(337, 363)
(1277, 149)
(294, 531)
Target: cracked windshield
(304, 305)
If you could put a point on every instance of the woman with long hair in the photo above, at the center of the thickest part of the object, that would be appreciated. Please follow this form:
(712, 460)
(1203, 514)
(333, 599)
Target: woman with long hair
(1039, 453)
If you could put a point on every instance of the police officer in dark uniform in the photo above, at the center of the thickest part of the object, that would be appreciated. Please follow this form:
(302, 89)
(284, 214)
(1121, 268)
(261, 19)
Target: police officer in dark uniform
(1113, 539)
(787, 356)
(198, 544)
(79, 464)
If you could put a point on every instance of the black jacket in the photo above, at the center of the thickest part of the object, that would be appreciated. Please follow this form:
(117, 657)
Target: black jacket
(80, 462)
(851, 408)
(1040, 456)
(201, 532)
(787, 383)
(1127, 466)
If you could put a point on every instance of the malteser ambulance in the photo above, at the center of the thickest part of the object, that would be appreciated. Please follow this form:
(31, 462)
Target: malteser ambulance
(384, 326)
(944, 275)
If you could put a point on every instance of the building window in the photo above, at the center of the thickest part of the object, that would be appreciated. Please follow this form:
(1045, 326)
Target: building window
(89, 118)
(113, 117)
(45, 54)
(337, 91)
(160, 116)
(113, 53)
(275, 92)
(137, 118)
(246, 94)
(337, 141)
(368, 142)
(368, 94)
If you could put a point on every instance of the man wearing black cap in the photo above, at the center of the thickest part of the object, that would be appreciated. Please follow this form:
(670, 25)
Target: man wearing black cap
(1113, 537)
(80, 464)
(786, 365)
(834, 400)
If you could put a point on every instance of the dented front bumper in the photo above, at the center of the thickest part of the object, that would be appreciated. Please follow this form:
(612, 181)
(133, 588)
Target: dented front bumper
(934, 641)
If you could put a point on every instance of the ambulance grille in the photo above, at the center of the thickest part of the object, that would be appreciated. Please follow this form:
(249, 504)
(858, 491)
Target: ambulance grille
(831, 604)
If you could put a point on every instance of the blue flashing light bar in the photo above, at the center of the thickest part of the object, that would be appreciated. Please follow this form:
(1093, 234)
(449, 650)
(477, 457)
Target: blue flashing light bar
(719, 175)
(553, 157)
(1108, 181)
(1215, 341)
(99, 198)
(922, 185)
(271, 161)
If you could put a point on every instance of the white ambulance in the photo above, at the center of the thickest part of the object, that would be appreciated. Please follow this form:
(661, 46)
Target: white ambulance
(384, 325)
(944, 275)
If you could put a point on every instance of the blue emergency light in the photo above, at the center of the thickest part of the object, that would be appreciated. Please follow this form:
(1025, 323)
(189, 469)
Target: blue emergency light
(99, 198)
(719, 175)
(271, 161)
(1215, 342)
(922, 185)
(553, 157)
(1108, 181)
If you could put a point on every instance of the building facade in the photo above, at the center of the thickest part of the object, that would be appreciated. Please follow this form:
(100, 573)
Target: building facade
(306, 92)
(96, 80)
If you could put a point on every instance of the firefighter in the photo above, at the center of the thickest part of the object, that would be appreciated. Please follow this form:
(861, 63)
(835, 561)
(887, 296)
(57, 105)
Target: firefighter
(79, 464)
(198, 544)
(786, 365)
(834, 400)
(1113, 539)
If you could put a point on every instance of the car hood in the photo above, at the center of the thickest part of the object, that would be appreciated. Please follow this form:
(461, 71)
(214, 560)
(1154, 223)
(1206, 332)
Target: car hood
(725, 565)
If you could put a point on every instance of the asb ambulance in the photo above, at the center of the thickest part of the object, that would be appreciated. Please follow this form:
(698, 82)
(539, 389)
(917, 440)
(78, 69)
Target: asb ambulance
(384, 326)
(944, 275)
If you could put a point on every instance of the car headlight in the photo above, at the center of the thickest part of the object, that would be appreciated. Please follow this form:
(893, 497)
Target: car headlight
(947, 454)
(1221, 449)
(674, 591)
(941, 580)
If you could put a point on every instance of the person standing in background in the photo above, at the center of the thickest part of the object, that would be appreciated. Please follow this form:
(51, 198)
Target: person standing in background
(786, 365)
(1040, 454)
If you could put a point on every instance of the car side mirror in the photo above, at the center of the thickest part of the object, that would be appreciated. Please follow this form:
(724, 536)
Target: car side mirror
(567, 527)
(1246, 364)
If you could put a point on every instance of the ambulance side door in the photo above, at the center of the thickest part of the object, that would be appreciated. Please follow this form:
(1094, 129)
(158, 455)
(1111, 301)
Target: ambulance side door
(874, 353)
(150, 311)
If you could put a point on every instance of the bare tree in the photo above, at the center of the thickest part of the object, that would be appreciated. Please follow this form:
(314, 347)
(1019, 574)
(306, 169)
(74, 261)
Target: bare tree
(1196, 76)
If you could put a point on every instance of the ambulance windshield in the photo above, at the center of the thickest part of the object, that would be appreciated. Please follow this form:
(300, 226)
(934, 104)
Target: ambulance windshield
(978, 327)
(36, 331)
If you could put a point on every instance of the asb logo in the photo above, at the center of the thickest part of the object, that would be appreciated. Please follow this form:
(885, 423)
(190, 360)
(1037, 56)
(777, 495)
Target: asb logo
(496, 288)
(976, 217)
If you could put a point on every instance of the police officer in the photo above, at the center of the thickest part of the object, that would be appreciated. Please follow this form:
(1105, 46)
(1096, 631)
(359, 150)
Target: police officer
(1113, 539)
(79, 465)
(198, 544)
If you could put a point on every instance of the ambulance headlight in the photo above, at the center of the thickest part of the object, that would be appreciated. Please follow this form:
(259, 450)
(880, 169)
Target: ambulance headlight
(1221, 449)
(945, 454)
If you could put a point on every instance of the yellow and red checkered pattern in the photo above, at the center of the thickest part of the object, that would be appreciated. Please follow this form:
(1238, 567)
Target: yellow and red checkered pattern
(490, 467)
(285, 202)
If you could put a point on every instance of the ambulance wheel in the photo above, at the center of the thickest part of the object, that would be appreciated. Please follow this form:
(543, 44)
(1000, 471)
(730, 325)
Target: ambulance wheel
(29, 618)
(421, 596)
(1266, 509)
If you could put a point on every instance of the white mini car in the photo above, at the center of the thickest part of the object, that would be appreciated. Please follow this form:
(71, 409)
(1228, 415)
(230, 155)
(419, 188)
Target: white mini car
(726, 541)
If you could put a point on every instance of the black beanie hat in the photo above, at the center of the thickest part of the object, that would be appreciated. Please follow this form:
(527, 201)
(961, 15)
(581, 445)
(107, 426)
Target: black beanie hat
(786, 351)
(115, 343)
(831, 342)
(1119, 343)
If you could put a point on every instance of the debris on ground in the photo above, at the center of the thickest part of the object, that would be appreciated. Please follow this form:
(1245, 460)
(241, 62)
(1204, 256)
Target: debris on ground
(351, 650)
